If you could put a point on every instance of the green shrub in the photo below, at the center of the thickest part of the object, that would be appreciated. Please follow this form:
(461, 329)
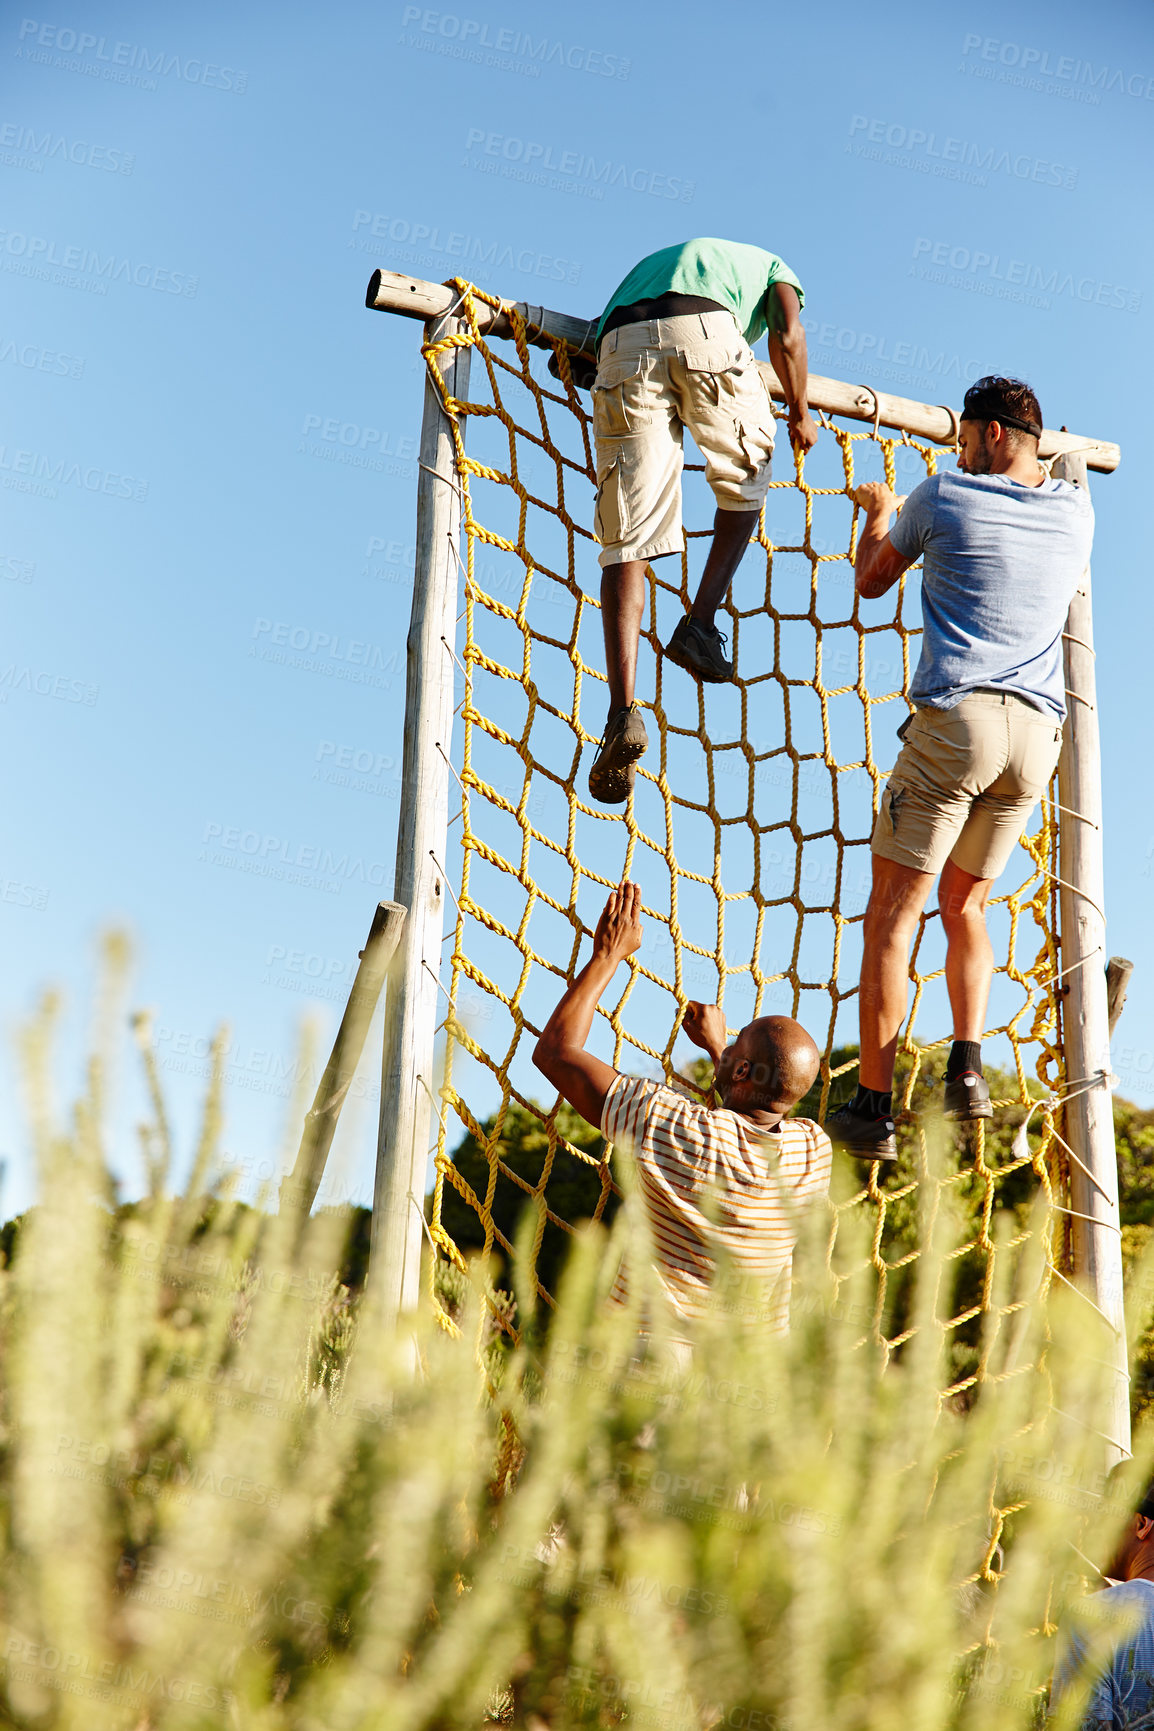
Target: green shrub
(235, 1496)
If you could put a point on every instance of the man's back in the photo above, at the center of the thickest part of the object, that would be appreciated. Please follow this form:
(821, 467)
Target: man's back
(714, 1185)
(732, 273)
(1000, 564)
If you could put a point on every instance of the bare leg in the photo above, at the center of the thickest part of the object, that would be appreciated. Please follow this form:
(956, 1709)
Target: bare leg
(731, 532)
(969, 953)
(622, 606)
(896, 900)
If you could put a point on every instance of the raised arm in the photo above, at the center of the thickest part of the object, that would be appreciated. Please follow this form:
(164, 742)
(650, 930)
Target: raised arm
(790, 359)
(877, 564)
(704, 1024)
(560, 1052)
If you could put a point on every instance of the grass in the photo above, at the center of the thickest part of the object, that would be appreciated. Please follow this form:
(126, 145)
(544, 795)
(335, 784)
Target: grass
(235, 1496)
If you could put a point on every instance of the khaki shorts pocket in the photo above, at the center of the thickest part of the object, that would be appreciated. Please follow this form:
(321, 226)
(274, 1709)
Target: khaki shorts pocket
(617, 408)
(725, 376)
(715, 357)
(752, 412)
(742, 381)
(615, 369)
(610, 516)
(757, 443)
(889, 811)
(760, 460)
(946, 754)
(1036, 756)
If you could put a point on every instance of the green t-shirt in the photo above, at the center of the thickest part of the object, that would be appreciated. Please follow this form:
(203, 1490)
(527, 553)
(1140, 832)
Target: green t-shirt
(727, 271)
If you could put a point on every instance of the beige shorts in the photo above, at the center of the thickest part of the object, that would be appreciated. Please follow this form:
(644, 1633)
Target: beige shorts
(653, 380)
(965, 783)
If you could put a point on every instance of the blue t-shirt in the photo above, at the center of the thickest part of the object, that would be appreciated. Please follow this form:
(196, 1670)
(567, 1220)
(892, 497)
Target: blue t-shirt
(1123, 1691)
(1000, 564)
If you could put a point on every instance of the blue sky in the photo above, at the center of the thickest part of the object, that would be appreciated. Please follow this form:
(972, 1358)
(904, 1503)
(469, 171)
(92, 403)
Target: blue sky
(234, 165)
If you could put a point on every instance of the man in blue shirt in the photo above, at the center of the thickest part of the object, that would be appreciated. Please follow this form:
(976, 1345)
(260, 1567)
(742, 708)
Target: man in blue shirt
(1003, 549)
(674, 353)
(1123, 1679)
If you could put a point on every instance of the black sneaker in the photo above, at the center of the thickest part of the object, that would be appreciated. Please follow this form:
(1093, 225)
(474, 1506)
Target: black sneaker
(611, 775)
(968, 1096)
(868, 1138)
(700, 649)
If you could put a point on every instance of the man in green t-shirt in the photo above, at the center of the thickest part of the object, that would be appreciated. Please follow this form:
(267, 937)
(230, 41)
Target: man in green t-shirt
(674, 352)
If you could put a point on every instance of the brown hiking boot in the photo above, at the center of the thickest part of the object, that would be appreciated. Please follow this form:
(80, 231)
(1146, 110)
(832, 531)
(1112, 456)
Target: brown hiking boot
(700, 649)
(612, 773)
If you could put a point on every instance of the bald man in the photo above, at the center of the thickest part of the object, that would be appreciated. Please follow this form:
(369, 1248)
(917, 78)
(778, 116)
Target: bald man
(728, 1179)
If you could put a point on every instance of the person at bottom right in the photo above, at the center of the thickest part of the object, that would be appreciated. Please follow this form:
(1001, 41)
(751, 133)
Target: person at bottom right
(1122, 1694)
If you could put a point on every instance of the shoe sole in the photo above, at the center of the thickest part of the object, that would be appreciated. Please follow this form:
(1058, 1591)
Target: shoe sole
(628, 753)
(972, 1116)
(607, 798)
(705, 674)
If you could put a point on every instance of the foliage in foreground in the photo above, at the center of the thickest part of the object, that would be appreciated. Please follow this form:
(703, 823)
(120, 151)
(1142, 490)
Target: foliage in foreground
(234, 1498)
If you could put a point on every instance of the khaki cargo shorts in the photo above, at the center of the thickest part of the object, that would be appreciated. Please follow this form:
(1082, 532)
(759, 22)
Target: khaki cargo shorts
(965, 783)
(654, 379)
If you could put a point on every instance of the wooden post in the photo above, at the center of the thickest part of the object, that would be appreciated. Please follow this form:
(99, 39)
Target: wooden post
(408, 1084)
(392, 292)
(1089, 1114)
(299, 1189)
(1118, 971)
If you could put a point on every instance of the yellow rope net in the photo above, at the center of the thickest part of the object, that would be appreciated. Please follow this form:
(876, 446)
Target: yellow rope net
(748, 829)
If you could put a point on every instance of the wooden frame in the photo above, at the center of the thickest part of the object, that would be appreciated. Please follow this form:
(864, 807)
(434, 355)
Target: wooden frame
(408, 1081)
(1088, 1117)
(408, 1090)
(390, 291)
(298, 1190)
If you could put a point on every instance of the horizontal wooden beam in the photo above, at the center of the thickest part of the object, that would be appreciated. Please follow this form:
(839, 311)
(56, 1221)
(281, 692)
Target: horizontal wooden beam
(392, 292)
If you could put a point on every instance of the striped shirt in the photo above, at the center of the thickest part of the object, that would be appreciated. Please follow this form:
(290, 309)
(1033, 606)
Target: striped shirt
(711, 1182)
